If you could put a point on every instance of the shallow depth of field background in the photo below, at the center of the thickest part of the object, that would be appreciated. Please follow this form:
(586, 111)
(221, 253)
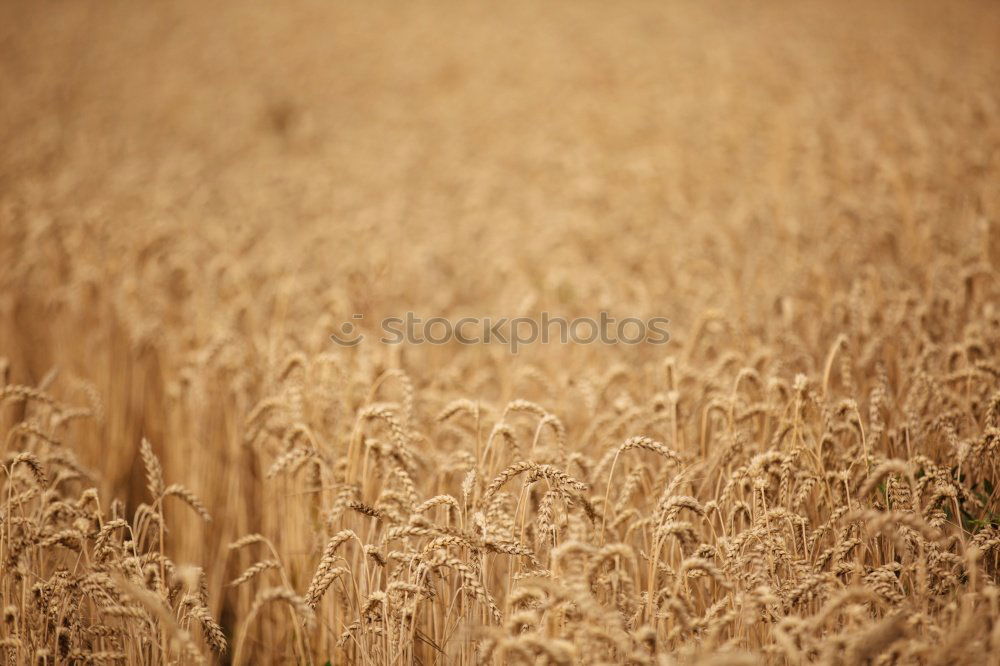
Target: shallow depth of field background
(194, 195)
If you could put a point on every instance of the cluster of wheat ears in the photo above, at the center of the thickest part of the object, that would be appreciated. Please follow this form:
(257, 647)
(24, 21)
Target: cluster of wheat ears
(779, 518)
(193, 197)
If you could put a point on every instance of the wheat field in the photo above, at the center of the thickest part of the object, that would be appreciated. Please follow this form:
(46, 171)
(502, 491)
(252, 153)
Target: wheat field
(195, 196)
